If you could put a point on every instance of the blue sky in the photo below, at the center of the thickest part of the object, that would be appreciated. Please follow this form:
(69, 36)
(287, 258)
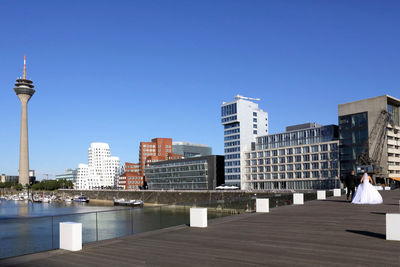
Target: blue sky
(127, 71)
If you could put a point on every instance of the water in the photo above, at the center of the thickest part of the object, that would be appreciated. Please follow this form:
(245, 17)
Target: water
(32, 227)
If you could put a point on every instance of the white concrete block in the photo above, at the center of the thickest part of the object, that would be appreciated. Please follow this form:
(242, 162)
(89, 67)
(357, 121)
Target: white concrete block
(337, 192)
(71, 236)
(198, 217)
(345, 190)
(393, 226)
(298, 198)
(387, 187)
(262, 205)
(378, 187)
(321, 194)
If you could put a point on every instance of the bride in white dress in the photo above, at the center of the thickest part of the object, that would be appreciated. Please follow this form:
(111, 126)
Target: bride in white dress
(366, 192)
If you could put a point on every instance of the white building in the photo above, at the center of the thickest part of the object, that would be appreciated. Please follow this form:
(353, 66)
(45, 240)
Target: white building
(102, 169)
(304, 157)
(243, 121)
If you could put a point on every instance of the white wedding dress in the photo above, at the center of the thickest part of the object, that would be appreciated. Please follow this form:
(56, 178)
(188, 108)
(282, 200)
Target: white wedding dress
(366, 193)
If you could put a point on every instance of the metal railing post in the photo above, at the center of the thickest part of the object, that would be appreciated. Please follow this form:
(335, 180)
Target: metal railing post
(160, 217)
(97, 229)
(132, 221)
(52, 232)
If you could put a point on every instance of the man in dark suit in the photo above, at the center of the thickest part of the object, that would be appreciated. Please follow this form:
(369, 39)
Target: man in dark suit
(350, 184)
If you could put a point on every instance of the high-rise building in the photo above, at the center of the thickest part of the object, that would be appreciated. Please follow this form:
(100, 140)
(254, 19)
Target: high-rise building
(359, 128)
(306, 157)
(24, 90)
(190, 150)
(243, 121)
(102, 170)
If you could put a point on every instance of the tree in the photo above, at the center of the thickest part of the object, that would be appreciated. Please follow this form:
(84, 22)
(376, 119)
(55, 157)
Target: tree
(19, 187)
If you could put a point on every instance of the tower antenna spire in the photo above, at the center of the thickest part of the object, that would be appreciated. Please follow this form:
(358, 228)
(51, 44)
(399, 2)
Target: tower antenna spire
(24, 73)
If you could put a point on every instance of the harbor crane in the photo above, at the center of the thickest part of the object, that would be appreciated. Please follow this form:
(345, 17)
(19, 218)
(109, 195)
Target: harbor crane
(246, 98)
(369, 160)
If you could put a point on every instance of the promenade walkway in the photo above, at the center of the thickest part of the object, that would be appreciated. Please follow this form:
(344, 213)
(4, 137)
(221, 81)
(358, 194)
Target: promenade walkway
(320, 233)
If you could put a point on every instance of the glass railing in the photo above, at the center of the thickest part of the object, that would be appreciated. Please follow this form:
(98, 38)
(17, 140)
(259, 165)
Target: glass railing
(21, 236)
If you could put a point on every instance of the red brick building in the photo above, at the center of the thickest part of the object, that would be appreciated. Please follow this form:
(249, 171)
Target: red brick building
(159, 149)
(131, 167)
(156, 150)
(130, 180)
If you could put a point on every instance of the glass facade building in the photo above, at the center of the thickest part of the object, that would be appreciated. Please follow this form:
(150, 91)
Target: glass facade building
(353, 136)
(302, 159)
(190, 150)
(200, 173)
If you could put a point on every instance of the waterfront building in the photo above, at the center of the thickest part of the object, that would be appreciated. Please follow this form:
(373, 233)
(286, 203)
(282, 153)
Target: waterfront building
(356, 122)
(102, 170)
(131, 181)
(243, 121)
(69, 175)
(157, 150)
(198, 173)
(131, 167)
(24, 90)
(306, 157)
(190, 150)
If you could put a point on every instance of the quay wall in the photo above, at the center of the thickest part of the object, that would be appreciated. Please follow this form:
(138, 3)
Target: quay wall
(172, 197)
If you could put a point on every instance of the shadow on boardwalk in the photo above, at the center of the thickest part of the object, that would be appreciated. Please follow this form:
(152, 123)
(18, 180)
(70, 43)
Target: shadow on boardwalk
(319, 233)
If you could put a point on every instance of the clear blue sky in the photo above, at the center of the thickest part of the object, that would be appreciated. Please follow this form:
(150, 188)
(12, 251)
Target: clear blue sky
(127, 71)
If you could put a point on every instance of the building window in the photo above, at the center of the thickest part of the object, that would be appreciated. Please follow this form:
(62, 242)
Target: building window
(306, 149)
(255, 114)
(255, 126)
(254, 131)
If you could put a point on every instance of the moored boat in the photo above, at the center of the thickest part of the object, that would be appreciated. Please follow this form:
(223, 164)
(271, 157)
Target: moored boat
(81, 199)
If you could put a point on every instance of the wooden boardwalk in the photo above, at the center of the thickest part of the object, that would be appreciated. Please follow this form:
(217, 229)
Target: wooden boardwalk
(319, 233)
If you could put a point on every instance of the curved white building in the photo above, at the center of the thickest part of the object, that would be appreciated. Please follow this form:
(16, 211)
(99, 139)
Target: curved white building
(101, 171)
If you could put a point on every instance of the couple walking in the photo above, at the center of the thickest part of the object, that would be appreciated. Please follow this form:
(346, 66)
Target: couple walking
(366, 192)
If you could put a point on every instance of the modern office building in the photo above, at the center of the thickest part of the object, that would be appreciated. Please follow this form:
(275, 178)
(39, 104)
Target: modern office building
(199, 173)
(300, 159)
(102, 170)
(69, 175)
(243, 121)
(190, 150)
(360, 123)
